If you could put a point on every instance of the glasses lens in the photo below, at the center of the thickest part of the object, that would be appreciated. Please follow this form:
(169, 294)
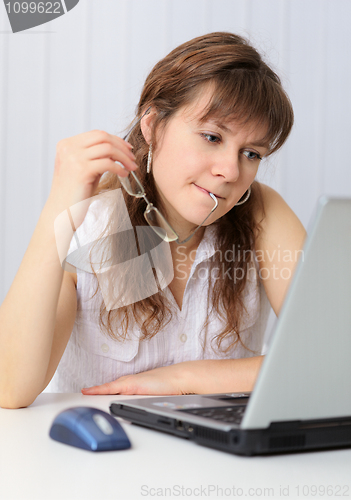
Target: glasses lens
(159, 224)
(132, 185)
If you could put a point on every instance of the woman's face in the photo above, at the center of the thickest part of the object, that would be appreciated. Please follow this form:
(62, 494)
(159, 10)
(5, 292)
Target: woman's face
(193, 159)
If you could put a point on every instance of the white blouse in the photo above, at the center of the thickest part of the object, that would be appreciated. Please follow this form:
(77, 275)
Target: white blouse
(93, 358)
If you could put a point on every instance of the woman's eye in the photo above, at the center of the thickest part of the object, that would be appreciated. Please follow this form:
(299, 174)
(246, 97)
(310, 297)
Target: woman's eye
(211, 138)
(251, 155)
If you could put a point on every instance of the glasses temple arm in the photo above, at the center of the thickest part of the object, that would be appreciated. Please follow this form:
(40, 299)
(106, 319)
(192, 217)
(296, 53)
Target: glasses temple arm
(203, 222)
(136, 123)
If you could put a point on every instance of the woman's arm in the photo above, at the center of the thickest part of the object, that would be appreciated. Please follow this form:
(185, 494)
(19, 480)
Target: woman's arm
(28, 317)
(37, 315)
(206, 376)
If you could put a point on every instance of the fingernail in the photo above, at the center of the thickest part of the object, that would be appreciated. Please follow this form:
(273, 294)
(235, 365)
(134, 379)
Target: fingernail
(129, 145)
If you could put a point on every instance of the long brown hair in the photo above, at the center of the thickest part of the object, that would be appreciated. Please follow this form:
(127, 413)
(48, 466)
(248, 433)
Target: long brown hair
(244, 88)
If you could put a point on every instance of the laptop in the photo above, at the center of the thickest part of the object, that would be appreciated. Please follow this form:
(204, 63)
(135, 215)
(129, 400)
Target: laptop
(302, 396)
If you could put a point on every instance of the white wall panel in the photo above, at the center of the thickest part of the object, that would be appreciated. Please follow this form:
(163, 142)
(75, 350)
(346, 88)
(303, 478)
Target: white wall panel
(148, 34)
(337, 174)
(268, 31)
(229, 15)
(23, 151)
(4, 58)
(85, 70)
(109, 65)
(189, 19)
(69, 76)
(303, 166)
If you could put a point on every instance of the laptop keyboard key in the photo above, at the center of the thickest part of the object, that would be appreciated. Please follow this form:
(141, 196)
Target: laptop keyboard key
(231, 414)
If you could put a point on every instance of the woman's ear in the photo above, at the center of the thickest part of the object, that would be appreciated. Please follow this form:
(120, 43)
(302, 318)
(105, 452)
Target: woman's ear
(146, 125)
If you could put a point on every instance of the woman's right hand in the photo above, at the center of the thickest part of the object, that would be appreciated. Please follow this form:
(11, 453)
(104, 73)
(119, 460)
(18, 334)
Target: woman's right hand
(80, 162)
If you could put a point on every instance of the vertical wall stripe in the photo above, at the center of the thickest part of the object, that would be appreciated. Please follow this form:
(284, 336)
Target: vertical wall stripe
(248, 11)
(87, 65)
(168, 25)
(46, 171)
(283, 27)
(321, 91)
(125, 73)
(4, 54)
(207, 23)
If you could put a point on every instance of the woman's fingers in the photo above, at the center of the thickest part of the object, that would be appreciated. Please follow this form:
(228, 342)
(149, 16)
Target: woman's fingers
(108, 388)
(82, 160)
(109, 151)
(93, 137)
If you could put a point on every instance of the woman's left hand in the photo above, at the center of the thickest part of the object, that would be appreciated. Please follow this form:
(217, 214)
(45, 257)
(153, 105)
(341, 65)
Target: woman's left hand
(190, 377)
(167, 380)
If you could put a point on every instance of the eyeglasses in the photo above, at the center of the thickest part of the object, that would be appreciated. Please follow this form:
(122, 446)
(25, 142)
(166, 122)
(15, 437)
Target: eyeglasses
(152, 215)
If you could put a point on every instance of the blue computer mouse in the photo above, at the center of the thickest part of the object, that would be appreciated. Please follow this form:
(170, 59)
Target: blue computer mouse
(89, 428)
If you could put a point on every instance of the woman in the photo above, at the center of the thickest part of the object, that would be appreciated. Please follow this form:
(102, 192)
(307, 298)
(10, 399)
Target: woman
(208, 113)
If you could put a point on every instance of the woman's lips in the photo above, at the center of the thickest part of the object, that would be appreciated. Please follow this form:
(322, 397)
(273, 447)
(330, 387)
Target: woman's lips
(207, 192)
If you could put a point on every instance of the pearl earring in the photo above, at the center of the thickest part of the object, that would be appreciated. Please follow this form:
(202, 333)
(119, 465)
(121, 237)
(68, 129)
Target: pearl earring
(149, 159)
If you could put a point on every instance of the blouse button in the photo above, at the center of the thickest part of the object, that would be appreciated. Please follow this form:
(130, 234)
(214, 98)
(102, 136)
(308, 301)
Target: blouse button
(105, 348)
(183, 337)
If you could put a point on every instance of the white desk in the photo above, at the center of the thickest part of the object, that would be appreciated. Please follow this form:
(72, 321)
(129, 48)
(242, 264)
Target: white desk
(34, 467)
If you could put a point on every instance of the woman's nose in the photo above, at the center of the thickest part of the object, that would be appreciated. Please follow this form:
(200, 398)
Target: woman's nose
(227, 166)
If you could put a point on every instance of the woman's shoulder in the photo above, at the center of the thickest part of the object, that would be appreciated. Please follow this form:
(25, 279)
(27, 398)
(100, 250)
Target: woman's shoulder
(273, 213)
(270, 200)
(278, 245)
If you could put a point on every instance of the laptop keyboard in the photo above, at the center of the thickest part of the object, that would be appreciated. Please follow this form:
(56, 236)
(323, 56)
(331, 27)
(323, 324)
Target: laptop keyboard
(230, 414)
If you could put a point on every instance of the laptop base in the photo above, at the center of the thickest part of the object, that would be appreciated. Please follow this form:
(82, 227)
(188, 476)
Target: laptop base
(279, 437)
